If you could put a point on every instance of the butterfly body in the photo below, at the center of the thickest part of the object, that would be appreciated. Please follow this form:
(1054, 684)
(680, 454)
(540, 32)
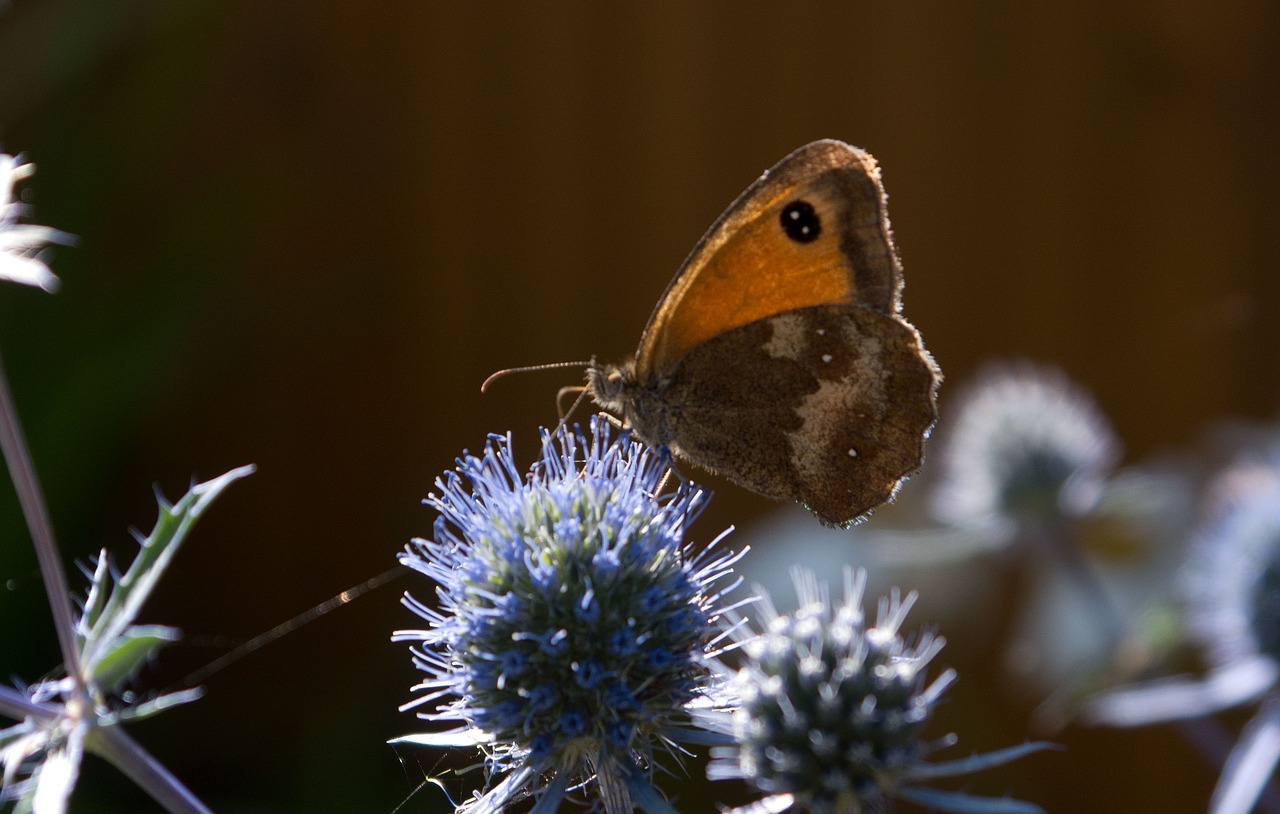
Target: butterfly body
(777, 356)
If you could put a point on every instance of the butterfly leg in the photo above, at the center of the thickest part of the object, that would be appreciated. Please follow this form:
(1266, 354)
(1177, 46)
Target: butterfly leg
(668, 462)
(579, 390)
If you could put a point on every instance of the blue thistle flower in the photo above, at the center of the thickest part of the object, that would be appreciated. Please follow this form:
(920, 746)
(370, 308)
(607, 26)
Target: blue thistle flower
(833, 710)
(1024, 445)
(574, 625)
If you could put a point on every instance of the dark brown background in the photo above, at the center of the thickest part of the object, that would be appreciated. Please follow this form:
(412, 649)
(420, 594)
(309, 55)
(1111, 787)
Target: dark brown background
(309, 230)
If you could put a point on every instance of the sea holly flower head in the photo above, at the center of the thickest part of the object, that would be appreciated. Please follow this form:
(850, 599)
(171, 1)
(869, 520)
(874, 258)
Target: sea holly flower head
(834, 707)
(1025, 444)
(574, 626)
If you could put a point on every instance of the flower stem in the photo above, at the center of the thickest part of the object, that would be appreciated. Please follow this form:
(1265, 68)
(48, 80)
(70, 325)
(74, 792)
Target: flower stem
(1213, 742)
(116, 746)
(27, 485)
(1107, 614)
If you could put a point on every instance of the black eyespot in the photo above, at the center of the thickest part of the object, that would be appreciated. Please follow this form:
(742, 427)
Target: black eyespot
(801, 222)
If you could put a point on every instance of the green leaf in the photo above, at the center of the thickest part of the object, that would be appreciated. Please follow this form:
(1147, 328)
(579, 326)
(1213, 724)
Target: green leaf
(124, 656)
(158, 704)
(99, 589)
(117, 612)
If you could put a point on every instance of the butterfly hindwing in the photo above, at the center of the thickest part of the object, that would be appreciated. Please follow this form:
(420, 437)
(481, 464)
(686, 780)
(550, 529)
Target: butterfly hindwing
(827, 405)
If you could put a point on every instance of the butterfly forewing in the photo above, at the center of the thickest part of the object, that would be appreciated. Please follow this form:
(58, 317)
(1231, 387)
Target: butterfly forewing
(811, 231)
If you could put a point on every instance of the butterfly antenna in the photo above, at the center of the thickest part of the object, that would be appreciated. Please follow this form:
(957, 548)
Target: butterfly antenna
(529, 369)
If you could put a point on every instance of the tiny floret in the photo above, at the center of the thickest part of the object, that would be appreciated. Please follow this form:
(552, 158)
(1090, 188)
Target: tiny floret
(573, 623)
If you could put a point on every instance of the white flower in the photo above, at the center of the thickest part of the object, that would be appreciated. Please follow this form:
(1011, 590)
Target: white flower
(20, 244)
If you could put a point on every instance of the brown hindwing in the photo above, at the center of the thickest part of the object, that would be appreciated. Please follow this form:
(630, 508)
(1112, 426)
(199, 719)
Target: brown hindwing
(828, 405)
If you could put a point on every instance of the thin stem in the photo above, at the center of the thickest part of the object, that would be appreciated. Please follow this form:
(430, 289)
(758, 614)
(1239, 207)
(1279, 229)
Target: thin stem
(115, 745)
(27, 485)
(1109, 616)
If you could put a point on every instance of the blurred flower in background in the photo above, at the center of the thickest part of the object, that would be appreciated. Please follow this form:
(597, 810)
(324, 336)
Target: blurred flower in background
(1232, 583)
(1024, 446)
(575, 625)
(1029, 456)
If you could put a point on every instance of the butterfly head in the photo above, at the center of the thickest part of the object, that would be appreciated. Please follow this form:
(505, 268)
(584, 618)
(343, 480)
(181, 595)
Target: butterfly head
(606, 384)
(619, 390)
(613, 387)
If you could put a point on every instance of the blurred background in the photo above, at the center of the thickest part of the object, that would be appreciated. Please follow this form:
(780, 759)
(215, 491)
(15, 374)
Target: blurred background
(308, 231)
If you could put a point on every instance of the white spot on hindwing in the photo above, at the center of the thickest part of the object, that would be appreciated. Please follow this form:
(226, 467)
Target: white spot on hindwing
(826, 357)
(853, 453)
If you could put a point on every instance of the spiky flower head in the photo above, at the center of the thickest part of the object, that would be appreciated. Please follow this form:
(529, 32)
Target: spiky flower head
(833, 710)
(573, 625)
(1024, 444)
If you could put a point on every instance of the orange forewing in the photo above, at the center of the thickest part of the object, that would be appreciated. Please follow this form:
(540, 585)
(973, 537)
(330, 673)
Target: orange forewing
(745, 269)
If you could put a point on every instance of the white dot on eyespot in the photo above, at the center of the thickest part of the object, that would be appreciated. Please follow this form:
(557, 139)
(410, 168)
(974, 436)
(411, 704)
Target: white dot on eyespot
(795, 214)
(826, 357)
(853, 453)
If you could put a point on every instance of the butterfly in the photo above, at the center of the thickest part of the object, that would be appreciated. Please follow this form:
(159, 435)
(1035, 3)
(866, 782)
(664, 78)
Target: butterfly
(778, 356)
